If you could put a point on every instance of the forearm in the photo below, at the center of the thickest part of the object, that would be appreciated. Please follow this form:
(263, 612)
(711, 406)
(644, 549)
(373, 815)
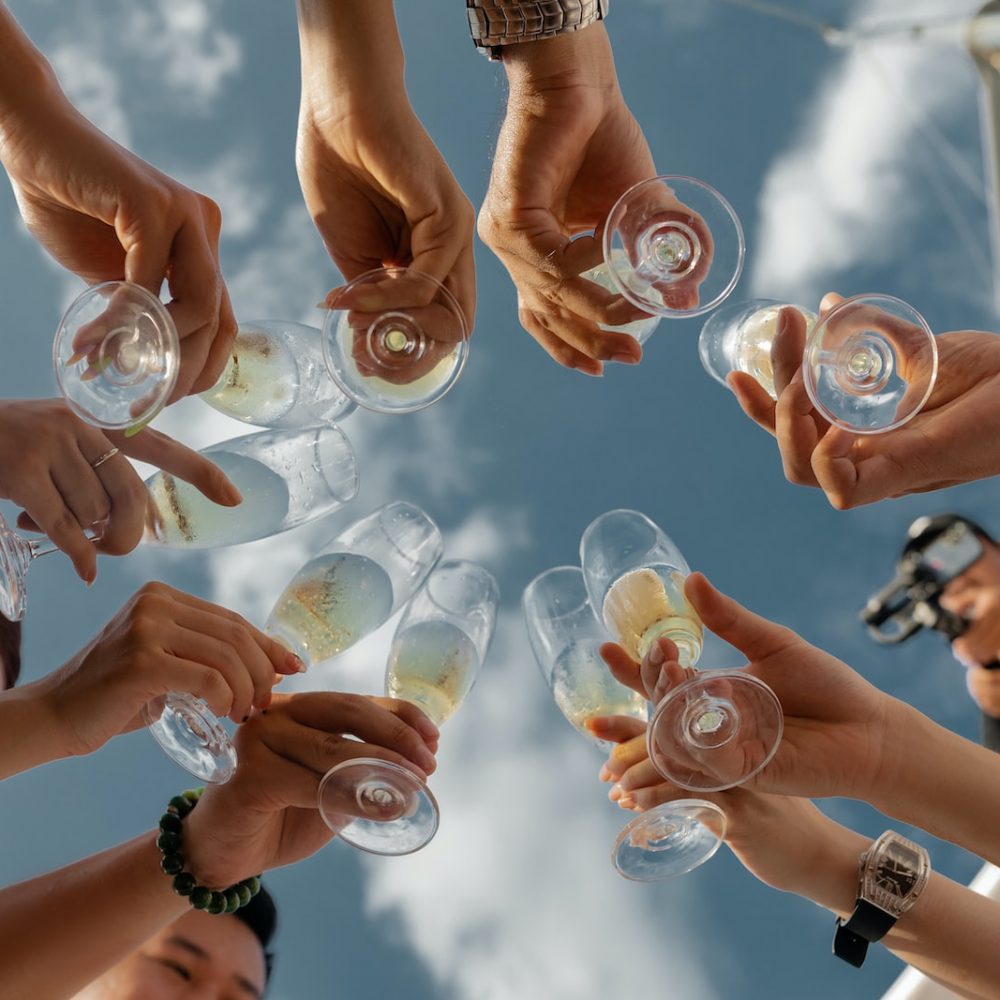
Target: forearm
(31, 734)
(943, 934)
(62, 930)
(940, 782)
(350, 51)
(25, 75)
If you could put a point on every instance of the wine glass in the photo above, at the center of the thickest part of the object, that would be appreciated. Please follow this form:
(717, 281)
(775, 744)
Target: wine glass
(287, 478)
(673, 247)
(565, 636)
(438, 649)
(116, 355)
(395, 340)
(354, 585)
(715, 730)
(869, 364)
(277, 377)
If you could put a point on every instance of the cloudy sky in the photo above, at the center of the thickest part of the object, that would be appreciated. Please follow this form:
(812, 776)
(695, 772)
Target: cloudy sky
(856, 170)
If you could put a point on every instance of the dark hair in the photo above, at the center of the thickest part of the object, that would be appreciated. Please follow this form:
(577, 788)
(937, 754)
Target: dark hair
(261, 916)
(10, 651)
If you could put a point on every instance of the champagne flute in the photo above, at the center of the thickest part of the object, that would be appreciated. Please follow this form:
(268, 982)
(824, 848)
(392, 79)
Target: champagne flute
(287, 478)
(715, 730)
(438, 649)
(351, 587)
(869, 364)
(117, 354)
(395, 340)
(673, 247)
(565, 636)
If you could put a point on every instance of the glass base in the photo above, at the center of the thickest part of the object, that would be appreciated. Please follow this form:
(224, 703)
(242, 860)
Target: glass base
(715, 731)
(670, 840)
(15, 555)
(641, 329)
(189, 732)
(378, 807)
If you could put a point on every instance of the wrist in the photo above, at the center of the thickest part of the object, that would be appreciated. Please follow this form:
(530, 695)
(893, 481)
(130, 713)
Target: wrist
(32, 728)
(581, 57)
(831, 878)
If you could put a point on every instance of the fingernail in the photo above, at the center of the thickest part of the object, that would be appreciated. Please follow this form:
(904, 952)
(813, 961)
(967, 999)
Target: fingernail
(656, 656)
(627, 802)
(322, 305)
(426, 759)
(233, 495)
(605, 774)
(427, 727)
(616, 793)
(782, 321)
(625, 359)
(295, 664)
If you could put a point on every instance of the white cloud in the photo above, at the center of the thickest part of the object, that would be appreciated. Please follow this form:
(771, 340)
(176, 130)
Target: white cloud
(846, 192)
(93, 87)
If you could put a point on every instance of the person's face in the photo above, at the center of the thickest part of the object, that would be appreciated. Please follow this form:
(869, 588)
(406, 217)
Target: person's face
(199, 956)
(984, 574)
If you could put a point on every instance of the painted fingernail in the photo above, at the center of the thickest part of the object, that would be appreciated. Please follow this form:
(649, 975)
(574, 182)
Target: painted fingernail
(246, 718)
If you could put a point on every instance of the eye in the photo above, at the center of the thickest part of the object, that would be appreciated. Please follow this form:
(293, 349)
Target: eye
(176, 968)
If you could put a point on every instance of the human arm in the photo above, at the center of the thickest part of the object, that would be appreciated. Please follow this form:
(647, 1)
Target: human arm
(105, 214)
(47, 457)
(842, 736)
(952, 440)
(102, 908)
(162, 640)
(377, 187)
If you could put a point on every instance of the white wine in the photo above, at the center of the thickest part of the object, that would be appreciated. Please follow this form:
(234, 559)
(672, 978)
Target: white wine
(584, 689)
(182, 517)
(600, 275)
(261, 382)
(647, 603)
(331, 603)
(432, 664)
(748, 344)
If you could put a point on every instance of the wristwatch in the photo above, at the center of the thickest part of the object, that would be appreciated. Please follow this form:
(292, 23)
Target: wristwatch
(496, 23)
(891, 875)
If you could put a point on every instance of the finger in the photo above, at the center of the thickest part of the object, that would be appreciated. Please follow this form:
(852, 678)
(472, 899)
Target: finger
(557, 348)
(175, 673)
(627, 754)
(412, 716)
(175, 458)
(623, 668)
(755, 637)
(129, 500)
(754, 399)
(147, 255)
(796, 431)
(222, 346)
(788, 347)
(81, 488)
(615, 728)
(660, 653)
(640, 775)
(829, 301)
(51, 514)
(364, 719)
(461, 282)
(672, 675)
(202, 647)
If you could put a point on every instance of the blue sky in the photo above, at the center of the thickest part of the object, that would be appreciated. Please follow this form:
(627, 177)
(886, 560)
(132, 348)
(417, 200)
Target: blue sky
(830, 160)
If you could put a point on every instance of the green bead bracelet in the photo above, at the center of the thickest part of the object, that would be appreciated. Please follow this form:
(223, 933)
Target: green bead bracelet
(169, 841)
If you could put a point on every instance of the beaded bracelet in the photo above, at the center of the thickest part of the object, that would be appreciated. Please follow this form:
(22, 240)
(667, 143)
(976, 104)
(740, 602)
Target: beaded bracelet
(213, 901)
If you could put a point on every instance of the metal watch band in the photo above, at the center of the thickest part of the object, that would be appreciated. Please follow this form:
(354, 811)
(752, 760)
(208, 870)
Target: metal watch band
(495, 23)
(865, 925)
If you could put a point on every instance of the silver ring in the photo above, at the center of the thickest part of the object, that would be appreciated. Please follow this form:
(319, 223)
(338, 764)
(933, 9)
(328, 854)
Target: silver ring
(97, 463)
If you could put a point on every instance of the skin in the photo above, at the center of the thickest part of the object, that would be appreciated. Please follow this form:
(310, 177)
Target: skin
(952, 440)
(105, 214)
(64, 496)
(198, 955)
(376, 186)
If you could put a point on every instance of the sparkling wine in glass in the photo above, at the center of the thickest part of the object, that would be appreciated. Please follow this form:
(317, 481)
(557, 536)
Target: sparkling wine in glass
(287, 478)
(869, 364)
(277, 377)
(395, 340)
(714, 731)
(673, 247)
(565, 636)
(439, 647)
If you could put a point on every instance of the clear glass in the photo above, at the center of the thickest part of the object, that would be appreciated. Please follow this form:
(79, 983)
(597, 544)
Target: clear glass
(395, 340)
(565, 636)
(739, 336)
(277, 377)
(674, 246)
(287, 478)
(869, 364)
(641, 329)
(116, 355)
(713, 731)
(439, 647)
(356, 582)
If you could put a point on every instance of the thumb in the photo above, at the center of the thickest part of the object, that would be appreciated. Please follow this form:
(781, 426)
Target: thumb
(147, 256)
(755, 637)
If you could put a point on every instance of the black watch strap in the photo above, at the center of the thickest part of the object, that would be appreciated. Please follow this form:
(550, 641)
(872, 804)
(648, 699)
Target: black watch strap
(868, 923)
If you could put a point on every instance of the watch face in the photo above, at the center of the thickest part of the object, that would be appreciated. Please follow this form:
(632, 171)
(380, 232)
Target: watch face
(895, 874)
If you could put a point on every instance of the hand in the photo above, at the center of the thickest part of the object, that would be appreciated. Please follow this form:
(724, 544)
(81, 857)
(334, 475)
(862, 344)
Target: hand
(267, 815)
(949, 441)
(568, 148)
(162, 640)
(46, 467)
(838, 728)
(381, 194)
(105, 214)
